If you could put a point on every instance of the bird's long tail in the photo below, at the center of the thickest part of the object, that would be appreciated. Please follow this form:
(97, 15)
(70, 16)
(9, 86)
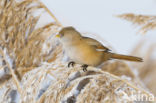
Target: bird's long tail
(126, 57)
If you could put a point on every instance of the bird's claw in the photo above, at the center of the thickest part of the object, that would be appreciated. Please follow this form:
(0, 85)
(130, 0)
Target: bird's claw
(84, 67)
(71, 64)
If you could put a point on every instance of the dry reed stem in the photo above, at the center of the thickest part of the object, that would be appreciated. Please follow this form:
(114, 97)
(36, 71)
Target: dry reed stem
(51, 14)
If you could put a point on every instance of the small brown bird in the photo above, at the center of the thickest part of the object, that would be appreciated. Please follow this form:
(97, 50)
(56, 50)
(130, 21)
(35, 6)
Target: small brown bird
(87, 51)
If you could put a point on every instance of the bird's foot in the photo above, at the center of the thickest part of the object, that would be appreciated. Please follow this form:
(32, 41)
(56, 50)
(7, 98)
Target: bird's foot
(71, 64)
(84, 67)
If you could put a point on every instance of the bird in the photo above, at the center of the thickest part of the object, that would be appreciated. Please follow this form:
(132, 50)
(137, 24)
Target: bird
(87, 51)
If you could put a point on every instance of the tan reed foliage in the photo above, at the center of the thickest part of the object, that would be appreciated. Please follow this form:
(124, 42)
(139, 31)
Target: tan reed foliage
(21, 43)
(147, 22)
(72, 84)
(146, 71)
(123, 70)
(36, 56)
(19, 36)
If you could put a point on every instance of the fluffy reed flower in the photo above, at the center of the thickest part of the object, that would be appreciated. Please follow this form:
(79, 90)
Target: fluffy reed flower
(147, 22)
(34, 70)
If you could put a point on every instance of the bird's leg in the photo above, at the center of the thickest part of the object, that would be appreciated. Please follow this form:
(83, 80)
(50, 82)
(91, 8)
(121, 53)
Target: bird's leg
(84, 67)
(71, 64)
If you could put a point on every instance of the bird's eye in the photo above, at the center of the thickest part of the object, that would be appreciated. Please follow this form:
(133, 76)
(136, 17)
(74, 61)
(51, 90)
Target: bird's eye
(61, 35)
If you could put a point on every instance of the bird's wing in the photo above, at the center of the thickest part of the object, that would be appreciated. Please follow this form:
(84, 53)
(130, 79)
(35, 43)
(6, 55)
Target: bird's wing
(95, 43)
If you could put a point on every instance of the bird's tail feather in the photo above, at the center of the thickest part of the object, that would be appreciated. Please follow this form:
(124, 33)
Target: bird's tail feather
(126, 57)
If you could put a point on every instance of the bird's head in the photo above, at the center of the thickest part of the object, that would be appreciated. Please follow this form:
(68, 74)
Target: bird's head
(68, 34)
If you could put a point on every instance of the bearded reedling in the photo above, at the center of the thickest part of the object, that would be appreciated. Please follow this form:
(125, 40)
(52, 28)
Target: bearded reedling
(84, 50)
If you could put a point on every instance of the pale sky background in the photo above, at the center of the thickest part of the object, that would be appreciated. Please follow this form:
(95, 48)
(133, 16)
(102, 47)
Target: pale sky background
(98, 17)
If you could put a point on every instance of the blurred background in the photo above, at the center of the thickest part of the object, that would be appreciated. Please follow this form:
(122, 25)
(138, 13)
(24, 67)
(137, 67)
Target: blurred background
(99, 17)
(31, 59)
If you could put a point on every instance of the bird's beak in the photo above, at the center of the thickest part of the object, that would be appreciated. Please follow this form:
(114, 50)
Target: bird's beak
(58, 36)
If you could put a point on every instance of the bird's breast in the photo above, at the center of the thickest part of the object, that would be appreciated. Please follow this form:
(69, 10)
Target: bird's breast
(84, 54)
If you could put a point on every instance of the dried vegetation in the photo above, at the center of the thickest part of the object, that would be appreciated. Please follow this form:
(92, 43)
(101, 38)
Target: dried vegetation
(34, 71)
(146, 22)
